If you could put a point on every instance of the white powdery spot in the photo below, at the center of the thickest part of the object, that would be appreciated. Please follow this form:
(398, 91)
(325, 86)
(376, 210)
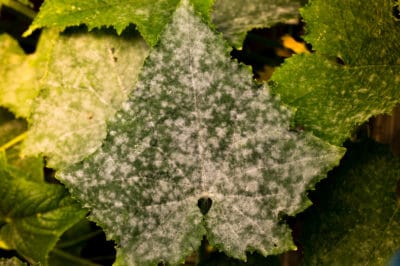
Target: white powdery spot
(198, 126)
(82, 89)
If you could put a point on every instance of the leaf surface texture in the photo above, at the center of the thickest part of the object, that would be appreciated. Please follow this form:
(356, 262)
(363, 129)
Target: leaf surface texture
(197, 127)
(89, 76)
(33, 214)
(15, 63)
(355, 218)
(150, 17)
(354, 73)
(235, 18)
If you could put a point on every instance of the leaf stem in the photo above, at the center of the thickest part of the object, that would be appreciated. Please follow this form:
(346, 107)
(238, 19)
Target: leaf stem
(20, 8)
(14, 141)
(72, 258)
(79, 240)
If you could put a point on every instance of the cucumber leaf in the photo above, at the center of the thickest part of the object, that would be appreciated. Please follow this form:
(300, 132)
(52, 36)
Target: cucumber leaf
(11, 262)
(150, 17)
(33, 214)
(88, 77)
(15, 63)
(355, 219)
(198, 149)
(12, 131)
(235, 18)
(354, 73)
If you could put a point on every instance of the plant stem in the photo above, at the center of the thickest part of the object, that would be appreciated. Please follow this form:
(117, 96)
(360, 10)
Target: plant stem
(80, 239)
(14, 141)
(72, 258)
(19, 7)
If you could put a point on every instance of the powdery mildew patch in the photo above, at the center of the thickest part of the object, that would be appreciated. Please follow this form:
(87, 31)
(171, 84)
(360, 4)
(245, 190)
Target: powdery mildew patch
(197, 126)
(89, 76)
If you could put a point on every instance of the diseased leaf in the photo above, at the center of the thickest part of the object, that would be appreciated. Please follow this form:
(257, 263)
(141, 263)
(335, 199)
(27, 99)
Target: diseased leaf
(356, 218)
(150, 17)
(235, 18)
(33, 214)
(333, 98)
(21, 73)
(89, 75)
(197, 129)
(11, 262)
(15, 63)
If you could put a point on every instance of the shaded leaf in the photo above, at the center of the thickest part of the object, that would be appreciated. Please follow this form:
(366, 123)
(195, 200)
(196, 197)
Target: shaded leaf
(10, 127)
(353, 75)
(235, 18)
(83, 245)
(10, 130)
(33, 214)
(88, 77)
(197, 126)
(356, 218)
(11, 262)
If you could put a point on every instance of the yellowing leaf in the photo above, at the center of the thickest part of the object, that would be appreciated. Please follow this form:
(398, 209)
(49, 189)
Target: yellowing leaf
(88, 77)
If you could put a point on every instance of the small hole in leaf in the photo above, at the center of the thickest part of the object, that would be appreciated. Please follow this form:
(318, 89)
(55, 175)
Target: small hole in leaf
(275, 245)
(204, 205)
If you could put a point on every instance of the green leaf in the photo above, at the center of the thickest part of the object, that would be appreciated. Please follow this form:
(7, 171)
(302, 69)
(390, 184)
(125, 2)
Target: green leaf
(21, 73)
(150, 17)
(74, 244)
(10, 127)
(14, 63)
(235, 18)
(11, 134)
(24, 7)
(88, 77)
(33, 214)
(11, 262)
(197, 128)
(333, 98)
(356, 218)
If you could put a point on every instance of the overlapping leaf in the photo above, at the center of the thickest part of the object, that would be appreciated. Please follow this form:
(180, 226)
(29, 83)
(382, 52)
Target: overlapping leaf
(14, 63)
(235, 18)
(33, 214)
(198, 130)
(88, 77)
(355, 72)
(150, 17)
(74, 244)
(11, 134)
(356, 218)
(11, 262)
